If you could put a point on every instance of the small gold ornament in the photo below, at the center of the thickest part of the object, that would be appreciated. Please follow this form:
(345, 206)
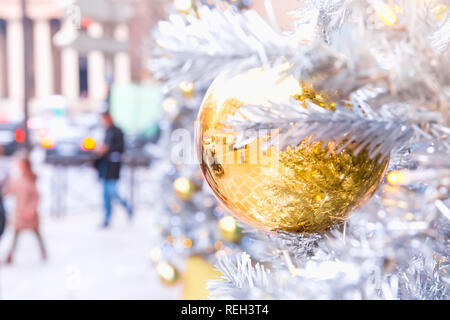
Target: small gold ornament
(187, 89)
(167, 273)
(386, 14)
(229, 229)
(196, 274)
(299, 189)
(170, 106)
(183, 6)
(184, 188)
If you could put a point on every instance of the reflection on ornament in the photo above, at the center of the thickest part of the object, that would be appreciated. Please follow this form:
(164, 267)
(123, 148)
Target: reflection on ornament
(183, 6)
(184, 188)
(386, 14)
(296, 189)
(167, 273)
(229, 229)
(186, 88)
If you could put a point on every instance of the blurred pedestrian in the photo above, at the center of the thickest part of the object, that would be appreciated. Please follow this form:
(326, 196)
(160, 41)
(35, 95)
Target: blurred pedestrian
(23, 187)
(109, 165)
(2, 207)
(2, 217)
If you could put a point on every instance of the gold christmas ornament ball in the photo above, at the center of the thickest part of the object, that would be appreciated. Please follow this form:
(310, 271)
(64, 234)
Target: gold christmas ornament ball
(167, 273)
(184, 188)
(299, 189)
(229, 229)
(186, 89)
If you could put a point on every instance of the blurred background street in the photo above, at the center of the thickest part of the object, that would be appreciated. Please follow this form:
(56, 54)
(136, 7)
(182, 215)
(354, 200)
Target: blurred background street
(84, 123)
(63, 63)
(84, 261)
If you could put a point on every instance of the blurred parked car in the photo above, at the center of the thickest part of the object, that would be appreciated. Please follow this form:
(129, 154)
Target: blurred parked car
(11, 137)
(69, 142)
(51, 109)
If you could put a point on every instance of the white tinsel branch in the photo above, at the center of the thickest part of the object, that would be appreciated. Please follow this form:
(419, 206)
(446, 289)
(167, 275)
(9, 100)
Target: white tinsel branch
(408, 59)
(290, 124)
(238, 273)
(191, 48)
(397, 246)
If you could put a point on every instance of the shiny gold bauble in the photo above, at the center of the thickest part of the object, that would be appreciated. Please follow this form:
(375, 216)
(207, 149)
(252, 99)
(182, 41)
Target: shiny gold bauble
(186, 89)
(229, 229)
(184, 188)
(299, 189)
(167, 273)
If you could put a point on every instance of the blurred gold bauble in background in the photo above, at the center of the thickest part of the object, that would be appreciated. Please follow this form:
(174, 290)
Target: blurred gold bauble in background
(184, 188)
(170, 106)
(186, 89)
(229, 229)
(167, 273)
(197, 273)
(298, 189)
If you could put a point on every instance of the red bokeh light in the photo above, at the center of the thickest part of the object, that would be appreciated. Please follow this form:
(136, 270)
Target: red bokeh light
(19, 135)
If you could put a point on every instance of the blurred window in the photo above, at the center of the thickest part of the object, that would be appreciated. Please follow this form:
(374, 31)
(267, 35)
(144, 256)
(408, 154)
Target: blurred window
(55, 26)
(83, 76)
(30, 38)
(3, 62)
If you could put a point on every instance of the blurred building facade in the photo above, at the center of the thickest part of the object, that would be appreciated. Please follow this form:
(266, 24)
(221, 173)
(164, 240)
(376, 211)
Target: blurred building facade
(76, 49)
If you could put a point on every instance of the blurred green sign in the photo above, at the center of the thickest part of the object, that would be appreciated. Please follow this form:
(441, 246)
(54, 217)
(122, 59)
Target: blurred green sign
(136, 108)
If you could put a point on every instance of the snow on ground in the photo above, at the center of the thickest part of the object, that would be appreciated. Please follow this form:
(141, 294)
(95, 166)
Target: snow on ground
(84, 261)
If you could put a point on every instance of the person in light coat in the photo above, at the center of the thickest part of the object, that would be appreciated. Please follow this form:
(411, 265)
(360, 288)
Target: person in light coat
(23, 188)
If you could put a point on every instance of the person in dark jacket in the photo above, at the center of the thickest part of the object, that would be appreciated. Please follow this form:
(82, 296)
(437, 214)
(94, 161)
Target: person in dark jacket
(2, 217)
(3, 177)
(109, 164)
